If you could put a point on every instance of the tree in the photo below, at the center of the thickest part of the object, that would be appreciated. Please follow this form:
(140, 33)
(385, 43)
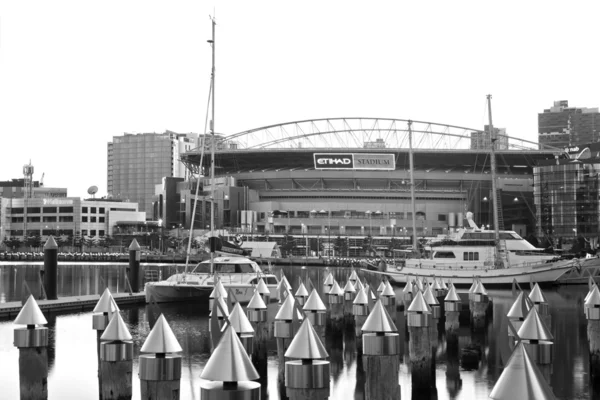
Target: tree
(368, 245)
(340, 246)
(87, 243)
(63, 241)
(78, 241)
(34, 241)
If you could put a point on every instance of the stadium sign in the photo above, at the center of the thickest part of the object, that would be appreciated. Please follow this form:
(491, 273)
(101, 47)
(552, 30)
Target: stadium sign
(356, 161)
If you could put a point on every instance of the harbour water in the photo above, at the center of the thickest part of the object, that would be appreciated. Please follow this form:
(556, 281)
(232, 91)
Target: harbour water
(73, 363)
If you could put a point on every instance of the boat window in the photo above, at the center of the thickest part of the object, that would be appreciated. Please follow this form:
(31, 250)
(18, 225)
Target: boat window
(271, 280)
(509, 236)
(471, 256)
(244, 268)
(203, 268)
(444, 254)
(225, 268)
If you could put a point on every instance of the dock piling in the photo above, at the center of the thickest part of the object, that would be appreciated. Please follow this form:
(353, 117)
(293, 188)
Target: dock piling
(51, 268)
(134, 265)
(116, 360)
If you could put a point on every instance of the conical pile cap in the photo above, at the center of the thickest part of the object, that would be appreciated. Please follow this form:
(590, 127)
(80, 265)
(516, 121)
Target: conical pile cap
(116, 330)
(256, 302)
(429, 297)
(419, 283)
(349, 287)
(306, 344)
(105, 303)
(436, 285)
(536, 295)
(353, 276)
(388, 290)
(336, 290)
(286, 283)
(219, 286)
(533, 328)
(359, 285)
(418, 304)
(479, 288)
(452, 295)
(30, 314)
(473, 286)
(161, 339)
(239, 321)
(443, 284)
(301, 292)
(361, 297)
(379, 320)
(314, 302)
(286, 310)
(262, 287)
(328, 279)
(521, 379)
(519, 309)
(381, 287)
(593, 298)
(134, 245)
(50, 244)
(229, 362)
(408, 287)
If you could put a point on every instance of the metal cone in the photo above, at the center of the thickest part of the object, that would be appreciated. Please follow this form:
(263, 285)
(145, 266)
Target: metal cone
(521, 379)
(388, 290)
(536, 295)
(452, 295)
(161, 339)
(349, 287)
(336, 289)
(429, 297)
(361, 297)
(519, 309)
(381, 287)
(134, 245)
(256, 302)
(239, 321)
(262, 287)
(105, 303)
(30, 314)
(50, 244)
(116, 330)
(328, 279)
(379, 320)
(593, 298)
(533, 328)
(229, 361)
(314, 302)
(306, 344)
(286, 310)
(419, 304)
(301, 292)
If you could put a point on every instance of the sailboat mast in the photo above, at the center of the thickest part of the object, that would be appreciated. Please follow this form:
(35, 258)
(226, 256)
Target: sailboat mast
(212, 150)
(493, 138)
(412, 187)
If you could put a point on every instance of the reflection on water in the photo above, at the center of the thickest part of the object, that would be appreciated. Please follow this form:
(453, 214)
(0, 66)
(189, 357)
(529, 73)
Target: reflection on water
(73, 363)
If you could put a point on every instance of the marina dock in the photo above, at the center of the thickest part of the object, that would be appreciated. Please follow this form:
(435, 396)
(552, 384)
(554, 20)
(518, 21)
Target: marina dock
(71, 303)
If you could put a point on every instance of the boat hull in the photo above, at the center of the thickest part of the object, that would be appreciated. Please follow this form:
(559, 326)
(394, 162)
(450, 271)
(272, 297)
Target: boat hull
(542, 273)
(162, 293)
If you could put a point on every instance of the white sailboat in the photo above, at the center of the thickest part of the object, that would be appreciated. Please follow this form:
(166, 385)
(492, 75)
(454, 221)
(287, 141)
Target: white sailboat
(493, 256)
(236, 272)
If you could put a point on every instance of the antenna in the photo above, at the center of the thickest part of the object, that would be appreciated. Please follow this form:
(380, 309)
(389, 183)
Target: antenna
(93, 190)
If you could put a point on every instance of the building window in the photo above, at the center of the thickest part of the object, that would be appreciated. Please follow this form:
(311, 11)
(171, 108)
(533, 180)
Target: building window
(92, 219)
(93, 211)
(101, 210)
(65, 209)
(84, 218)
(17, 210)
(84, 232)
(100, 233)
(442, 217)
(65, 218)
(16, 219)
(101, 219)
(34, 210)
(33, 219)
(49, 219)
(84, 209)
(93, 232)
(49, 210)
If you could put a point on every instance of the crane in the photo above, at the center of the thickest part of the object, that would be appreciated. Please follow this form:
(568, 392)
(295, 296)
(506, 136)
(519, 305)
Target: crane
(42, 179)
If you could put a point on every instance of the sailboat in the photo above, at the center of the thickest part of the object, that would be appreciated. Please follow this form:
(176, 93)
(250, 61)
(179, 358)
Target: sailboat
(236, 272)
(494, 257)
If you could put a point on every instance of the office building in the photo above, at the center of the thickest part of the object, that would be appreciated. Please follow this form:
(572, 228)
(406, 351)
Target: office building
(482, 141)
(563, 126)
(138, 162)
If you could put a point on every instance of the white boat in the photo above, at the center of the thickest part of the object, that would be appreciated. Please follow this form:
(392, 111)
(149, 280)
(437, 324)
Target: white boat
(470, 252)
(495, 257)
(238, 274)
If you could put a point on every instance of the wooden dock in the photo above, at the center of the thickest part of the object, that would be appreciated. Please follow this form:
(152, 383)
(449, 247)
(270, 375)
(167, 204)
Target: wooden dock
(71, 303)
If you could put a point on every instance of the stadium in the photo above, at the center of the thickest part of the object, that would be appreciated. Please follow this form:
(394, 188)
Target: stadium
(342, 186)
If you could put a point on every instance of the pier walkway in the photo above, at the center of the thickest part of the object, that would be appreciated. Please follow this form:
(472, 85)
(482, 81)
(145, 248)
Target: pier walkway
(71, 303)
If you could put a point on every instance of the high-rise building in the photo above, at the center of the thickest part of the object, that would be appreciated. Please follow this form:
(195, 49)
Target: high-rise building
(564, 126)
(138, 162)
(481, 140)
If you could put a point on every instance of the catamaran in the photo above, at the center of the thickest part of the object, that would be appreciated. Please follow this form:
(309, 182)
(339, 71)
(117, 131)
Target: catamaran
(235, 271)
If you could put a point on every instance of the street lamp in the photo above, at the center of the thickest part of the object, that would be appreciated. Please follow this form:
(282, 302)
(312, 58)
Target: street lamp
(160, 239)
(368, 212)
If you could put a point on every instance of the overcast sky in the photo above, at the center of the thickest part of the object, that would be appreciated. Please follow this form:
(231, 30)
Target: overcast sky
(73, 74)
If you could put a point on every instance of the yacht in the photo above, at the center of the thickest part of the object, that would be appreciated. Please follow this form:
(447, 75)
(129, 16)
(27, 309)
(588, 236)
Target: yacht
(238, 274)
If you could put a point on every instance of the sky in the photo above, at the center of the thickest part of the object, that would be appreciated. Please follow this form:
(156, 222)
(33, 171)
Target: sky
(73, 74)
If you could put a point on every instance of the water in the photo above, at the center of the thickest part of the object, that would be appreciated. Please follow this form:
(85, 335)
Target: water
(72, 350)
